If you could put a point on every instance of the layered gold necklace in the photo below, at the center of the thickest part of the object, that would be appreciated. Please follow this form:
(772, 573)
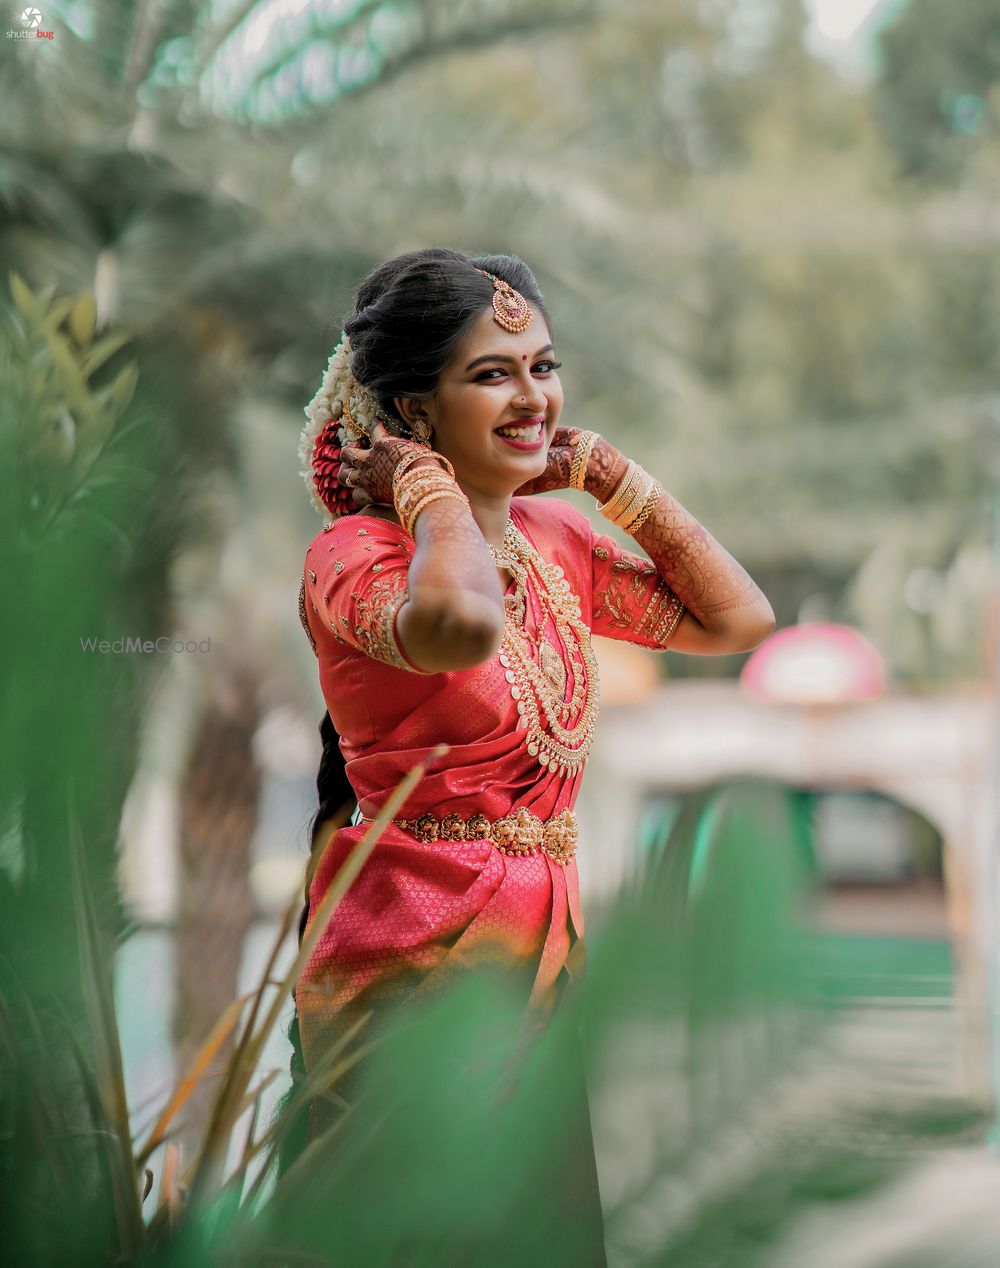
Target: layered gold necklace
(560, 732)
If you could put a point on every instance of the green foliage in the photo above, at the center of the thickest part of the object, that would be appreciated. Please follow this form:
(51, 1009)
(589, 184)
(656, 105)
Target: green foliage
(746, 299)
(461, 1139)
(65, 421)
(939, 69)
(737, 274)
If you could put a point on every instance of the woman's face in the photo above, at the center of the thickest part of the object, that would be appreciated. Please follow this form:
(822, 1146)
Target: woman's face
(496, 380)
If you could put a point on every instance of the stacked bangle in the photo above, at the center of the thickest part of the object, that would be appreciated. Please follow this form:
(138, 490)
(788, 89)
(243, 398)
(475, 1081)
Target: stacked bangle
(582, 450)
(636, 495)
(414, 488)
(406, 463)
(624, 501)
(652, 497)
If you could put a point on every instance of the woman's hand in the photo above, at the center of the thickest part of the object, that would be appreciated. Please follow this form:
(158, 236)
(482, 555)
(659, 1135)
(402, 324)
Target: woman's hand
(368, 471)
(605, 466)
(558, 459)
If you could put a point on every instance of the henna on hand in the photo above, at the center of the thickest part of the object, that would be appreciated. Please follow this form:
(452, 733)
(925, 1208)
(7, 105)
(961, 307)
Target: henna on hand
(368, 471)
(451, 556)
(698, 569)
(605, 468)
(557, 464)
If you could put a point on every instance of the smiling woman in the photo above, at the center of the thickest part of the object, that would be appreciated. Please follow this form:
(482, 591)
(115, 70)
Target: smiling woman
(446, 604)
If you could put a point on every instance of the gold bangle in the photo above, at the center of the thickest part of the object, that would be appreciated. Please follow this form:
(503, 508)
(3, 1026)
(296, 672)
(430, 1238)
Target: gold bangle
(409, 513)
(623, 494)
(416, 488)
(634, 504)
(418, 478)
(626, 479)
(433, 496)
(585, 443)
(652, 497)
(417, 482)
(405, 465)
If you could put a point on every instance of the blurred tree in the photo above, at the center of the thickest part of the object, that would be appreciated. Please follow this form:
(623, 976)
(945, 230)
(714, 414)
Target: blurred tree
(939, 63)
(157, 190)
(744, 298)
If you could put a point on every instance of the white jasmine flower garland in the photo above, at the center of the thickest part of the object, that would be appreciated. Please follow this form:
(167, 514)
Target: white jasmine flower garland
(339, 388)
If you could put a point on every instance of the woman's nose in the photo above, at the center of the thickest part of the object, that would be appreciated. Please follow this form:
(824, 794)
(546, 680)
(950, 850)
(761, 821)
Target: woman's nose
(532, 394)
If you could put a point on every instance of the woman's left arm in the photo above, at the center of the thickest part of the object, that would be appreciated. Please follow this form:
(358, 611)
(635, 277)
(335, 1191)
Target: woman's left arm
(725, 609)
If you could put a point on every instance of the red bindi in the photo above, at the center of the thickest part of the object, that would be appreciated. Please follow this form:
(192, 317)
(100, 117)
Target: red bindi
(524, 356)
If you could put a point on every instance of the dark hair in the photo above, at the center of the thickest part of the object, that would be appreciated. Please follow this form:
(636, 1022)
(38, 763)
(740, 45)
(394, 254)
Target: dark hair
(413, 311)
(409, 316)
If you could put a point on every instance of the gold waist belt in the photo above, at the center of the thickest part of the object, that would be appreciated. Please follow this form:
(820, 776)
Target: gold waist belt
(518, 833)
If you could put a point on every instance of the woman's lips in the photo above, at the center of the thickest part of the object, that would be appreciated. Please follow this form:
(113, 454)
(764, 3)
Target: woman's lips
(525, 443)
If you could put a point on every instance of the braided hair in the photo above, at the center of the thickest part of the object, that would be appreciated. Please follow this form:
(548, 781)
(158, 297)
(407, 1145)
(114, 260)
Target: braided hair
(409, 316)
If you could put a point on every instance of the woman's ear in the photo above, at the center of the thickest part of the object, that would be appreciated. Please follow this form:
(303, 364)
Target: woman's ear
(414, 415)
(408, 408)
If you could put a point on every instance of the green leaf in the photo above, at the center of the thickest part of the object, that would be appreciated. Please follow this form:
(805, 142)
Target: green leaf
(123, 387)
(24, 299)
(246, 1056)
(92, 439)
(55, 315)
(67, 368)
(193, 1075)
(102, 350)
(95, 976)
(83, 320)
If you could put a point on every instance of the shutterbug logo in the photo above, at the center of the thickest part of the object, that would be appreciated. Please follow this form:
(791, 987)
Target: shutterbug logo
(31, 22)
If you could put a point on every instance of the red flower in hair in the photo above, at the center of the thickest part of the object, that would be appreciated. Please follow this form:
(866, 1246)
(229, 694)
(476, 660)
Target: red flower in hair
(336, 497)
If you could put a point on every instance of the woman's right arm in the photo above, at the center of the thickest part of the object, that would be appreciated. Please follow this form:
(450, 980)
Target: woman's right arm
(453, 616)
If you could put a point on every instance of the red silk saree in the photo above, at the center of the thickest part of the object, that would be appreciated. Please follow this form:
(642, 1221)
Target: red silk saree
(418, 912)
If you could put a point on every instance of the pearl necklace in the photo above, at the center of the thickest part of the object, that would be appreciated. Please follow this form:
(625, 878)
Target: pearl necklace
(538, 686)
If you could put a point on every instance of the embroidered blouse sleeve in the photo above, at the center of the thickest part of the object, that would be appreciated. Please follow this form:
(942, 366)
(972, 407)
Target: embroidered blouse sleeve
(354, 583)
(630, 600)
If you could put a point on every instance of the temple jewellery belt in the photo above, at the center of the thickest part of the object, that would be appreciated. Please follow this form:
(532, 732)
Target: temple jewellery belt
(520, 833)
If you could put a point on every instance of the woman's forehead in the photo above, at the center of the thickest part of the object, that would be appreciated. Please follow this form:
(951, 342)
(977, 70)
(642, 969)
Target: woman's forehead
(486, 335)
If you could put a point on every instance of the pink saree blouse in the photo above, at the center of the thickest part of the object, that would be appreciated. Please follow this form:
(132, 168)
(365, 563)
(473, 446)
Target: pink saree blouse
(418, 911)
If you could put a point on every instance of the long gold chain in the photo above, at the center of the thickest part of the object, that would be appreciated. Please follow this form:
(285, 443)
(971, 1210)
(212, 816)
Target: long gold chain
(562, 747)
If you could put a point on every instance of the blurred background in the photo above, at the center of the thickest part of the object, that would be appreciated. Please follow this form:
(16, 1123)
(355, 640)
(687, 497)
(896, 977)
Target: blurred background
(767, 233)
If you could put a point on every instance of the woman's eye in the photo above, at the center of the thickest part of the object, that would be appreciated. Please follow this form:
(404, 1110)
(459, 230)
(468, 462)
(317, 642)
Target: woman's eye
(550, 366)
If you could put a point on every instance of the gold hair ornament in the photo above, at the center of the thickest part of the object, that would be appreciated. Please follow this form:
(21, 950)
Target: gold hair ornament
(510, 308)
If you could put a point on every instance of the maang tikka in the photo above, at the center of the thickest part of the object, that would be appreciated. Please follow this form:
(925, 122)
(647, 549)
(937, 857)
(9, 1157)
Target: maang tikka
(510, 308)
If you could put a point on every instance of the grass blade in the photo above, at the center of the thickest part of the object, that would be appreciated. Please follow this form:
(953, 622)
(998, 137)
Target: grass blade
(223, 1120)
(100, 1007)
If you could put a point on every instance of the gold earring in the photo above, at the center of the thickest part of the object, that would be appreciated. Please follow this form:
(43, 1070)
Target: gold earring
(420, 430)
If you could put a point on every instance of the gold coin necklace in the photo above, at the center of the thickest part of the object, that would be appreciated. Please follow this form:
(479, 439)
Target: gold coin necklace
(560, 732)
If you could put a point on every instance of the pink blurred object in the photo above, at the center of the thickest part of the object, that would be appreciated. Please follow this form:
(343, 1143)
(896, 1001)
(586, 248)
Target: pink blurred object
(816, 662)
